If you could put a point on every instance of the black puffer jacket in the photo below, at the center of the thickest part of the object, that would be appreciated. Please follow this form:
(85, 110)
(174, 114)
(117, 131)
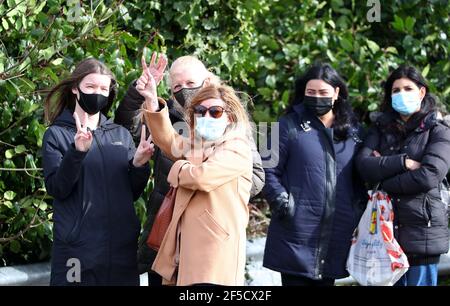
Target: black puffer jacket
(421, 221)
(128, 115)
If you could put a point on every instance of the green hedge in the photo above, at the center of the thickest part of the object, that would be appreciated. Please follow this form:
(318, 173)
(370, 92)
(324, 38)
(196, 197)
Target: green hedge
(258, 46)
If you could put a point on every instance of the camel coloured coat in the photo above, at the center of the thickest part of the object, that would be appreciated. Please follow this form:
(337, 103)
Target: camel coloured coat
(206, 238)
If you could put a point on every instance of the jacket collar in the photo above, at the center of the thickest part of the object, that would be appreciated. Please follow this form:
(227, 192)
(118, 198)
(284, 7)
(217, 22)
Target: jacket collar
(418, 125)
(66, 119)
(307, 118)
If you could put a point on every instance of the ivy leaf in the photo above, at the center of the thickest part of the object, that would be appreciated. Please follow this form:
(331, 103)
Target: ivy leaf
(8, 204)
(398, 24)
(5, 24)
(9, 153)
(227, 59)
(20, 149)
(409, 23)
(271, 80)
(9, 195)
(373, 46)
(426, 70)
(57, 61)
(346, 44)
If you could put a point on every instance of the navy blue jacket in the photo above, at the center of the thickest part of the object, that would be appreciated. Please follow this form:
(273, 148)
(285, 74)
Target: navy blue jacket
(421, 220)
(94, 217)
(317, 173)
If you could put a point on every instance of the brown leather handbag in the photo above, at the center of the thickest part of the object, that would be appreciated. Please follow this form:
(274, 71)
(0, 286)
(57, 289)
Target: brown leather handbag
(162, 220)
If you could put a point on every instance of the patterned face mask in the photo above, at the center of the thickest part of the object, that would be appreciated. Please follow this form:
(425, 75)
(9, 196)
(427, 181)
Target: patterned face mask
(184, 96)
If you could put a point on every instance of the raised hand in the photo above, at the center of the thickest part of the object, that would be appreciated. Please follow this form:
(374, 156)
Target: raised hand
(83, 138)
(144, 151)
(146, 86)
(156, 69)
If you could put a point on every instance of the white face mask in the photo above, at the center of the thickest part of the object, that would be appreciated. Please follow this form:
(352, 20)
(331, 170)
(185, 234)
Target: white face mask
(209, 128)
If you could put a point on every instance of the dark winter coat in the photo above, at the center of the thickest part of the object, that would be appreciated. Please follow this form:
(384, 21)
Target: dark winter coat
(94, 218)
(421, 221)
(316, 173)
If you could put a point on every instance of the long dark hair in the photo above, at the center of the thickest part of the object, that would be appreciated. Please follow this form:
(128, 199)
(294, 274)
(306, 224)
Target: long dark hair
(345, 118)
(408, 72)
(61, 96)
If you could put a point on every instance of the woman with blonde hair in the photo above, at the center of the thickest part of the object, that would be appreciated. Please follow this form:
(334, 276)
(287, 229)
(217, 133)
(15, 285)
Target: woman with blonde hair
(205, 241)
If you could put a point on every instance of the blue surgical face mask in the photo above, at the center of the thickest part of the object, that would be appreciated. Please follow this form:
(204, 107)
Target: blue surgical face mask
(210, 128)
(406, 103)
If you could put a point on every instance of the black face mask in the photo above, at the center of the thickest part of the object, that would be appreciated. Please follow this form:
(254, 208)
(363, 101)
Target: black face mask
(319, 106)
(92, 103)
(184, 96)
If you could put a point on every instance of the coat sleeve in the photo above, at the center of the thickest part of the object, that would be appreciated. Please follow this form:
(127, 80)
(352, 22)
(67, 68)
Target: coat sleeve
(138, 176)
(435, 164)
(375, 169)
(164, 135)
(273, 187)
(128, 114)
(61, 170)
(230, 160)
(258, 177)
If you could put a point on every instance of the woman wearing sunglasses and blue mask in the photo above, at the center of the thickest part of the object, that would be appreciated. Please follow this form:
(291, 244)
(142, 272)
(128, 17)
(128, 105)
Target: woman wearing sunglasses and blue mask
(205, 241)
(187, 75)
(407, 152)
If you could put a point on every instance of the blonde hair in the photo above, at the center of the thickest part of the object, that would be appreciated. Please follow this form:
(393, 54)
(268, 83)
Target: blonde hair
(233, 106)
(193, 61)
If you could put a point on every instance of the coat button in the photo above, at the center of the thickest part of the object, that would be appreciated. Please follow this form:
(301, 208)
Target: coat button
(398, 200)
(396, 227)
(320, 276)
(391, 148)
(322, 261)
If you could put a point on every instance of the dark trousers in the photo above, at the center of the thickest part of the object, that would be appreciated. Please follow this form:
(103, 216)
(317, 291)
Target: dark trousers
(296, 280)
(154, 279)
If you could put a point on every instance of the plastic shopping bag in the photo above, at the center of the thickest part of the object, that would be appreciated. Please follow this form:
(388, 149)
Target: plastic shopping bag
(376, 258)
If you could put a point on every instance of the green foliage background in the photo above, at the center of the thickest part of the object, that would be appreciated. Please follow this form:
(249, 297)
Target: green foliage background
(258, 46)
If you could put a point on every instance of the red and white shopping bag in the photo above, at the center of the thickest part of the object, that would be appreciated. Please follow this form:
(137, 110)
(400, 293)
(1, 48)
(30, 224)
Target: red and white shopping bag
(376, 258)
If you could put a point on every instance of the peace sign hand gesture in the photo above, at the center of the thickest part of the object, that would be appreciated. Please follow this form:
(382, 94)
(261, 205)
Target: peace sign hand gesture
(156, 71)
(83, 138)
(144, 151)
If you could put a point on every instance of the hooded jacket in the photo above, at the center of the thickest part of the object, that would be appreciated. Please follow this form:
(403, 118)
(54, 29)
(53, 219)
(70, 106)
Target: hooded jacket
(421, 220)
(95, 224)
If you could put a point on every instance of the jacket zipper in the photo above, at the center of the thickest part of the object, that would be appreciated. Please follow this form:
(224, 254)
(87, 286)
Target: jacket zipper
(427, 211)
(330, 190)
(100, 147)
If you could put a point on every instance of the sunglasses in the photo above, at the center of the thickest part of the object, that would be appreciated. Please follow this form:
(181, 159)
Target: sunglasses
(214, 111)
